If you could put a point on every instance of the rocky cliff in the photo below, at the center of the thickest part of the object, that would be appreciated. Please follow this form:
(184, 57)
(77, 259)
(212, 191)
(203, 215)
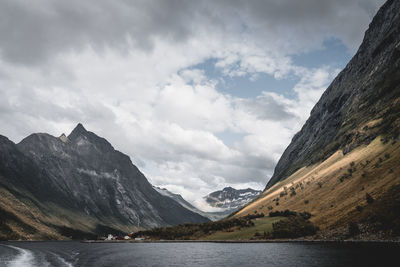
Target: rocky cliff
(343, 166)
(367, 90)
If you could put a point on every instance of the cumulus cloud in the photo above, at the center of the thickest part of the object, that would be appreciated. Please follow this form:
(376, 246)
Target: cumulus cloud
(129, 70)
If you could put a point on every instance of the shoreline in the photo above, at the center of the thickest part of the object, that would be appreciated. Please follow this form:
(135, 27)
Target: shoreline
(222, 241)
(242, 241)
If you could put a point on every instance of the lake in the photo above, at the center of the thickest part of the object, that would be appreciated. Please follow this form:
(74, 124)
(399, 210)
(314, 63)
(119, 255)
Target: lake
(72, 253)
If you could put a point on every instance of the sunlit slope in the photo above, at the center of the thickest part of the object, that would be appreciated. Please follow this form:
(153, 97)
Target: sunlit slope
(331, 189)
(360, 104)
(26, 218)
(348, 149)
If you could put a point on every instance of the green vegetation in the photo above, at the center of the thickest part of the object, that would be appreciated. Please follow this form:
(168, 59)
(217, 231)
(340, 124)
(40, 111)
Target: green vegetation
(383, 214)
(369, 198)
(7, 219)
(292, 227)
(261, 226)
(287, 213)
(353, 229)
(349, 173)
(279, 224)
(74, 234)
(194, 231)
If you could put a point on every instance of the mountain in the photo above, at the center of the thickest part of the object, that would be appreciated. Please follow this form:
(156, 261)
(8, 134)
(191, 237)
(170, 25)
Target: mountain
(347, 152)
(78, 184)
(230, 198)
(214, 216)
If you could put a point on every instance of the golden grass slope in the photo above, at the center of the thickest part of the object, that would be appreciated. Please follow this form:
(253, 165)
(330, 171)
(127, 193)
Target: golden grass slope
(332, 189)
(38, 223)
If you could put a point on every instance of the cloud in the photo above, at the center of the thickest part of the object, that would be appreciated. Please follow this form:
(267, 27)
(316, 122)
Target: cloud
(33, 34)
(129, 70)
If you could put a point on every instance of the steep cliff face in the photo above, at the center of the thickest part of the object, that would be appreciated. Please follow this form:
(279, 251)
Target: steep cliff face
(360, 104)
(84, 174)
(343, 166)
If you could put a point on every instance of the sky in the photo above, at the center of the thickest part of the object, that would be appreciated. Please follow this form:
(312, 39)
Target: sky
(200, 94)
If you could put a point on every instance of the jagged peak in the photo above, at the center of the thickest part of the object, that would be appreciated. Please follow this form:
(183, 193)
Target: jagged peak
(228, 188)
(79, 128)
(64, 138)
(77, 131)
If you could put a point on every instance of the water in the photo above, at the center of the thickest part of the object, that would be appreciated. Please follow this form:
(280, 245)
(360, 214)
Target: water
(197, 254)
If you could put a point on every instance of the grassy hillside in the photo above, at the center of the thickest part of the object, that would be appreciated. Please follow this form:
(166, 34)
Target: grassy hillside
(23, 219)
(257, 226)
(261, 226)
(333, 190)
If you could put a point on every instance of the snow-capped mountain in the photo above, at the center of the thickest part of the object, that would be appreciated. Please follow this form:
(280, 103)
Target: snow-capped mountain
(214, 216)
(231, 198)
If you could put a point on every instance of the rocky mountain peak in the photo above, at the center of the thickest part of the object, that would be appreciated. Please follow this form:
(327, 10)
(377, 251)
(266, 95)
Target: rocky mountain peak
(79, 130)
(365, 91)
(64, 138)
(231, 198)
(84, 139)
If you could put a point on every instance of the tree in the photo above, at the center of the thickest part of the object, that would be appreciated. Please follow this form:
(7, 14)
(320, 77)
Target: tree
(369, 198)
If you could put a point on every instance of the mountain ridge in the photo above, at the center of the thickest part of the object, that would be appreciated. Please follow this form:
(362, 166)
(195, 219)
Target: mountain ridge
(230, 198)
(342, 166)
(349, 101)
(213, 216)
(85, 175)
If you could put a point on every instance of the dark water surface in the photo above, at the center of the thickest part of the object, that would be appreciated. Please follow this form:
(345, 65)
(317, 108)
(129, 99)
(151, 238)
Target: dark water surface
(198, 254)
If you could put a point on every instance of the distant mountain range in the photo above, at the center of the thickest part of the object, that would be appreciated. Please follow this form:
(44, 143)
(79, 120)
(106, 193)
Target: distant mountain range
(77, 186)
(214, 216)
(230, 198)
(343, 166)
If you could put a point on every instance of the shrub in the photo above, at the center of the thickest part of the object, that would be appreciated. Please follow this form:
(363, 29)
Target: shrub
(285, 213)
(353, 229)
(369, 198)
(359, 208)
(387, 155)
(293, 227)
(288, 213)
(306, 215)
(346, 175)
(306, 201)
